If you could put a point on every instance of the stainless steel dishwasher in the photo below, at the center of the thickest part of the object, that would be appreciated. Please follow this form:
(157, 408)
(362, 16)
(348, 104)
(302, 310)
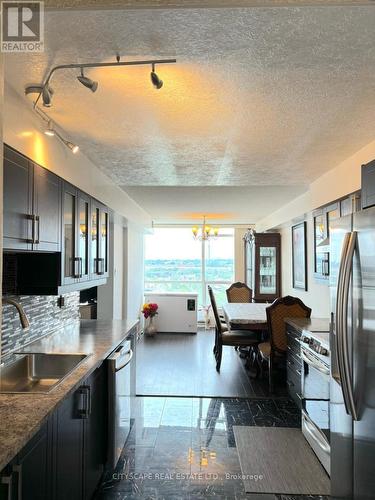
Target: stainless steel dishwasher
(119, 396)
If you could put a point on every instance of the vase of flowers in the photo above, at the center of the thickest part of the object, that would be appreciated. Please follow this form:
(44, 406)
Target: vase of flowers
(149, 311)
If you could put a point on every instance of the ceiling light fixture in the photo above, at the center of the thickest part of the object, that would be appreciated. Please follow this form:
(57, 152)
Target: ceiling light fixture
(206, 232)
(87, 82)
(52, 132)
(156, 82)
(45, 92)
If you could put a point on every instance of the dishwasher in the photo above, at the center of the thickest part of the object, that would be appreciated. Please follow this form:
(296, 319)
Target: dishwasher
(119, 396)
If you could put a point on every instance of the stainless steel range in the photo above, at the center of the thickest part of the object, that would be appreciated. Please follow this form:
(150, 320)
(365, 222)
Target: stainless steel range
(315, 355)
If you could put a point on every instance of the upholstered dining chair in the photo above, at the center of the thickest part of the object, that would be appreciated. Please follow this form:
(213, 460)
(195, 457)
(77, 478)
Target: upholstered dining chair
(274, 351)
(235, 338)
(239, 292)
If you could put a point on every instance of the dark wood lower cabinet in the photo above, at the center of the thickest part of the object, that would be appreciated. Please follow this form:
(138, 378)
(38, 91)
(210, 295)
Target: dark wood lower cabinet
(65, 459)
(294, 365)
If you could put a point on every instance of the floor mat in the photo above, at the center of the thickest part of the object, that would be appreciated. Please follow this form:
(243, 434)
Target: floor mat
(279, 460)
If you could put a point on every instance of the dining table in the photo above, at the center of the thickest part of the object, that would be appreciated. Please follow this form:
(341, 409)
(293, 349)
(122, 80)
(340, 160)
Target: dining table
(245, 315)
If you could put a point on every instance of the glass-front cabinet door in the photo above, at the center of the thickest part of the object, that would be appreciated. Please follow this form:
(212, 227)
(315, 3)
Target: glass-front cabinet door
(99, 261)
(69, 254)
(262, 265)
(83, 227)
(267, 270)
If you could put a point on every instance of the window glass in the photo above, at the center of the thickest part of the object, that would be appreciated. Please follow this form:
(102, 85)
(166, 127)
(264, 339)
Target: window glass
(175, 262)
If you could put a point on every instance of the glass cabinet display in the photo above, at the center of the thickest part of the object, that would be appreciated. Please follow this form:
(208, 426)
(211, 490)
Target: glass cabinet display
(262, 265)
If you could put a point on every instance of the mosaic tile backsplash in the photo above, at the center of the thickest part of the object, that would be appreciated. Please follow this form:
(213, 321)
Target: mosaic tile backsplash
(45, 317)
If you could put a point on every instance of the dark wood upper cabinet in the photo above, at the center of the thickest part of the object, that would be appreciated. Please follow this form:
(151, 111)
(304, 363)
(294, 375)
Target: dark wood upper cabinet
(32, 205)
(17, 201)
(47, 210)
(45, 214)
(263, 265)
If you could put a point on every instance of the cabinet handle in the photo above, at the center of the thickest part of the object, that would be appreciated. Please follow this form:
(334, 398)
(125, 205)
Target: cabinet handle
(80, 267)
(37, 232)
(18, 470)
(100, 266)
(84, 410)
(8, 481)
(75, 272)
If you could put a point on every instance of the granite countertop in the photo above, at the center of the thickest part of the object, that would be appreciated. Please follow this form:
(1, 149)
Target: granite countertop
(22, 415)
(309, 324)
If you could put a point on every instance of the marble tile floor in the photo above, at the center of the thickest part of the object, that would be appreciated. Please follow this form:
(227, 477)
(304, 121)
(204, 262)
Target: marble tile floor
(184, 448)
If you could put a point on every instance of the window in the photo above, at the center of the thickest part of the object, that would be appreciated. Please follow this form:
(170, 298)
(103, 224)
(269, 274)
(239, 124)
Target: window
(175, 262)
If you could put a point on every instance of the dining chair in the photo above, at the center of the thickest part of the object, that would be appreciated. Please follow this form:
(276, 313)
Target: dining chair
(274, 351)
(239, 292)
(234, 338)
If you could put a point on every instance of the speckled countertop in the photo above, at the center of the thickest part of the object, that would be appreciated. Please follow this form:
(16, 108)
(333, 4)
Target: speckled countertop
(309, 324)
(22, 415)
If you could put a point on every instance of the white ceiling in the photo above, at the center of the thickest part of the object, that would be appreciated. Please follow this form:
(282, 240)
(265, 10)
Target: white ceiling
(259, 96)
(224, 204)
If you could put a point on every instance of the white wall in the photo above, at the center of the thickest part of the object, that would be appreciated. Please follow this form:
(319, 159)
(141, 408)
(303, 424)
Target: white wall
(134, 271)
(23, 130)
(317, 295)
(111, 299)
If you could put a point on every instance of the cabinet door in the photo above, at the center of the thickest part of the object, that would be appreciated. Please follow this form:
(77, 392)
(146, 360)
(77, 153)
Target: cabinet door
(32, 468)
(47, 209)
(83, 227)
(104, 242)
(17, 201)
(68, 445)
(70, 262)
(94, 240)
(95, 433)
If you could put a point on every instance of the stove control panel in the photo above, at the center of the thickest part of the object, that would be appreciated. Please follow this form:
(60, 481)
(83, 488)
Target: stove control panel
(315, 345)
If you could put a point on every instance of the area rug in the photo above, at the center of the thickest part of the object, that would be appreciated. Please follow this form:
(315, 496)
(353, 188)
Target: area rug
(279, 460)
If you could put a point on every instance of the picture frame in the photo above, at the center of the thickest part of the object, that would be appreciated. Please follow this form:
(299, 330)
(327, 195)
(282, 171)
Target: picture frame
(299, 256)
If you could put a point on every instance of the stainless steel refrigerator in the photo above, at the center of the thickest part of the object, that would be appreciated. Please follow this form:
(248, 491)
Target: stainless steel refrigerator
(352, 387)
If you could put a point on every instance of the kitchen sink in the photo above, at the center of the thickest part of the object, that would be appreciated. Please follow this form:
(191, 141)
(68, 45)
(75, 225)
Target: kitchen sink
(37, 372)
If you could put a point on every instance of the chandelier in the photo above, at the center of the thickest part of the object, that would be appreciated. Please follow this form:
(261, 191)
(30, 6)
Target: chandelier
(205, 232)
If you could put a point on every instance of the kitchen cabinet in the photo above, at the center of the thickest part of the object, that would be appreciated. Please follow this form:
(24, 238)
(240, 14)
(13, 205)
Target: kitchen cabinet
(32, 205)
(99, 259)
(80, 446)
(368, 184)
(322, 219)
(28, 476)
(262, 265)
(58, 235)
(76, 230)
(65, 459)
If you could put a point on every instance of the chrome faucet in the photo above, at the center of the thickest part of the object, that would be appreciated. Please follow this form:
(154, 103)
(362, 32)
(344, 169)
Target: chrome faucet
(23, 318)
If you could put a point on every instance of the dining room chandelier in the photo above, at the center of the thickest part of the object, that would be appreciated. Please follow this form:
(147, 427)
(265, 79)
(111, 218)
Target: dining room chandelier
(204, 232)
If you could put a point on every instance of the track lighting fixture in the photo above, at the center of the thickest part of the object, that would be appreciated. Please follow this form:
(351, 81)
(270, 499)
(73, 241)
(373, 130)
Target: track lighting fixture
(45, 92)
(156, 82)
(73, 147)
(87, 82)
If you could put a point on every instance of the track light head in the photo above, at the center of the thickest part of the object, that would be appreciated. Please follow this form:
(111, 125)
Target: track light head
(47, 96)
(87, 82)
(73, 147)
(49, 130)
(156, 82)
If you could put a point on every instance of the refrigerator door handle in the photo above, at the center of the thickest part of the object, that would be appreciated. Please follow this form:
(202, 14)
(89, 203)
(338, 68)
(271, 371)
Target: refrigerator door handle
(347, 375)
(339, 314)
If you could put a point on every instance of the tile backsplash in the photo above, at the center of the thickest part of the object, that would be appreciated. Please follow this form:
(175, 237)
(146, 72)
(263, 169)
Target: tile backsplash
(45, 317)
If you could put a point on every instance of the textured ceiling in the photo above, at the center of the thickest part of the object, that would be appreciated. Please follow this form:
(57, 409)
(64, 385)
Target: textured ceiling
(240, 205)
(262, 96)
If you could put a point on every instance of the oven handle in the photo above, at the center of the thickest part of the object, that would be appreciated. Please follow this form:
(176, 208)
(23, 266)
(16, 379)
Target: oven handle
(315, 433)
(130, 355)
(314, 363)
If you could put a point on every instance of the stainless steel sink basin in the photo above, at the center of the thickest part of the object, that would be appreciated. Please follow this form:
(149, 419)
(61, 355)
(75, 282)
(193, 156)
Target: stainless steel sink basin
(37, 372)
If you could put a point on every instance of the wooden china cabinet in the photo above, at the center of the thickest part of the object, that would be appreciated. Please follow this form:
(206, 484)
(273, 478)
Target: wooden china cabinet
(263, 265)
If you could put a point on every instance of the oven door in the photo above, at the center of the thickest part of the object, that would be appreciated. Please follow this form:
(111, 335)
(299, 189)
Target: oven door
(315, 379)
